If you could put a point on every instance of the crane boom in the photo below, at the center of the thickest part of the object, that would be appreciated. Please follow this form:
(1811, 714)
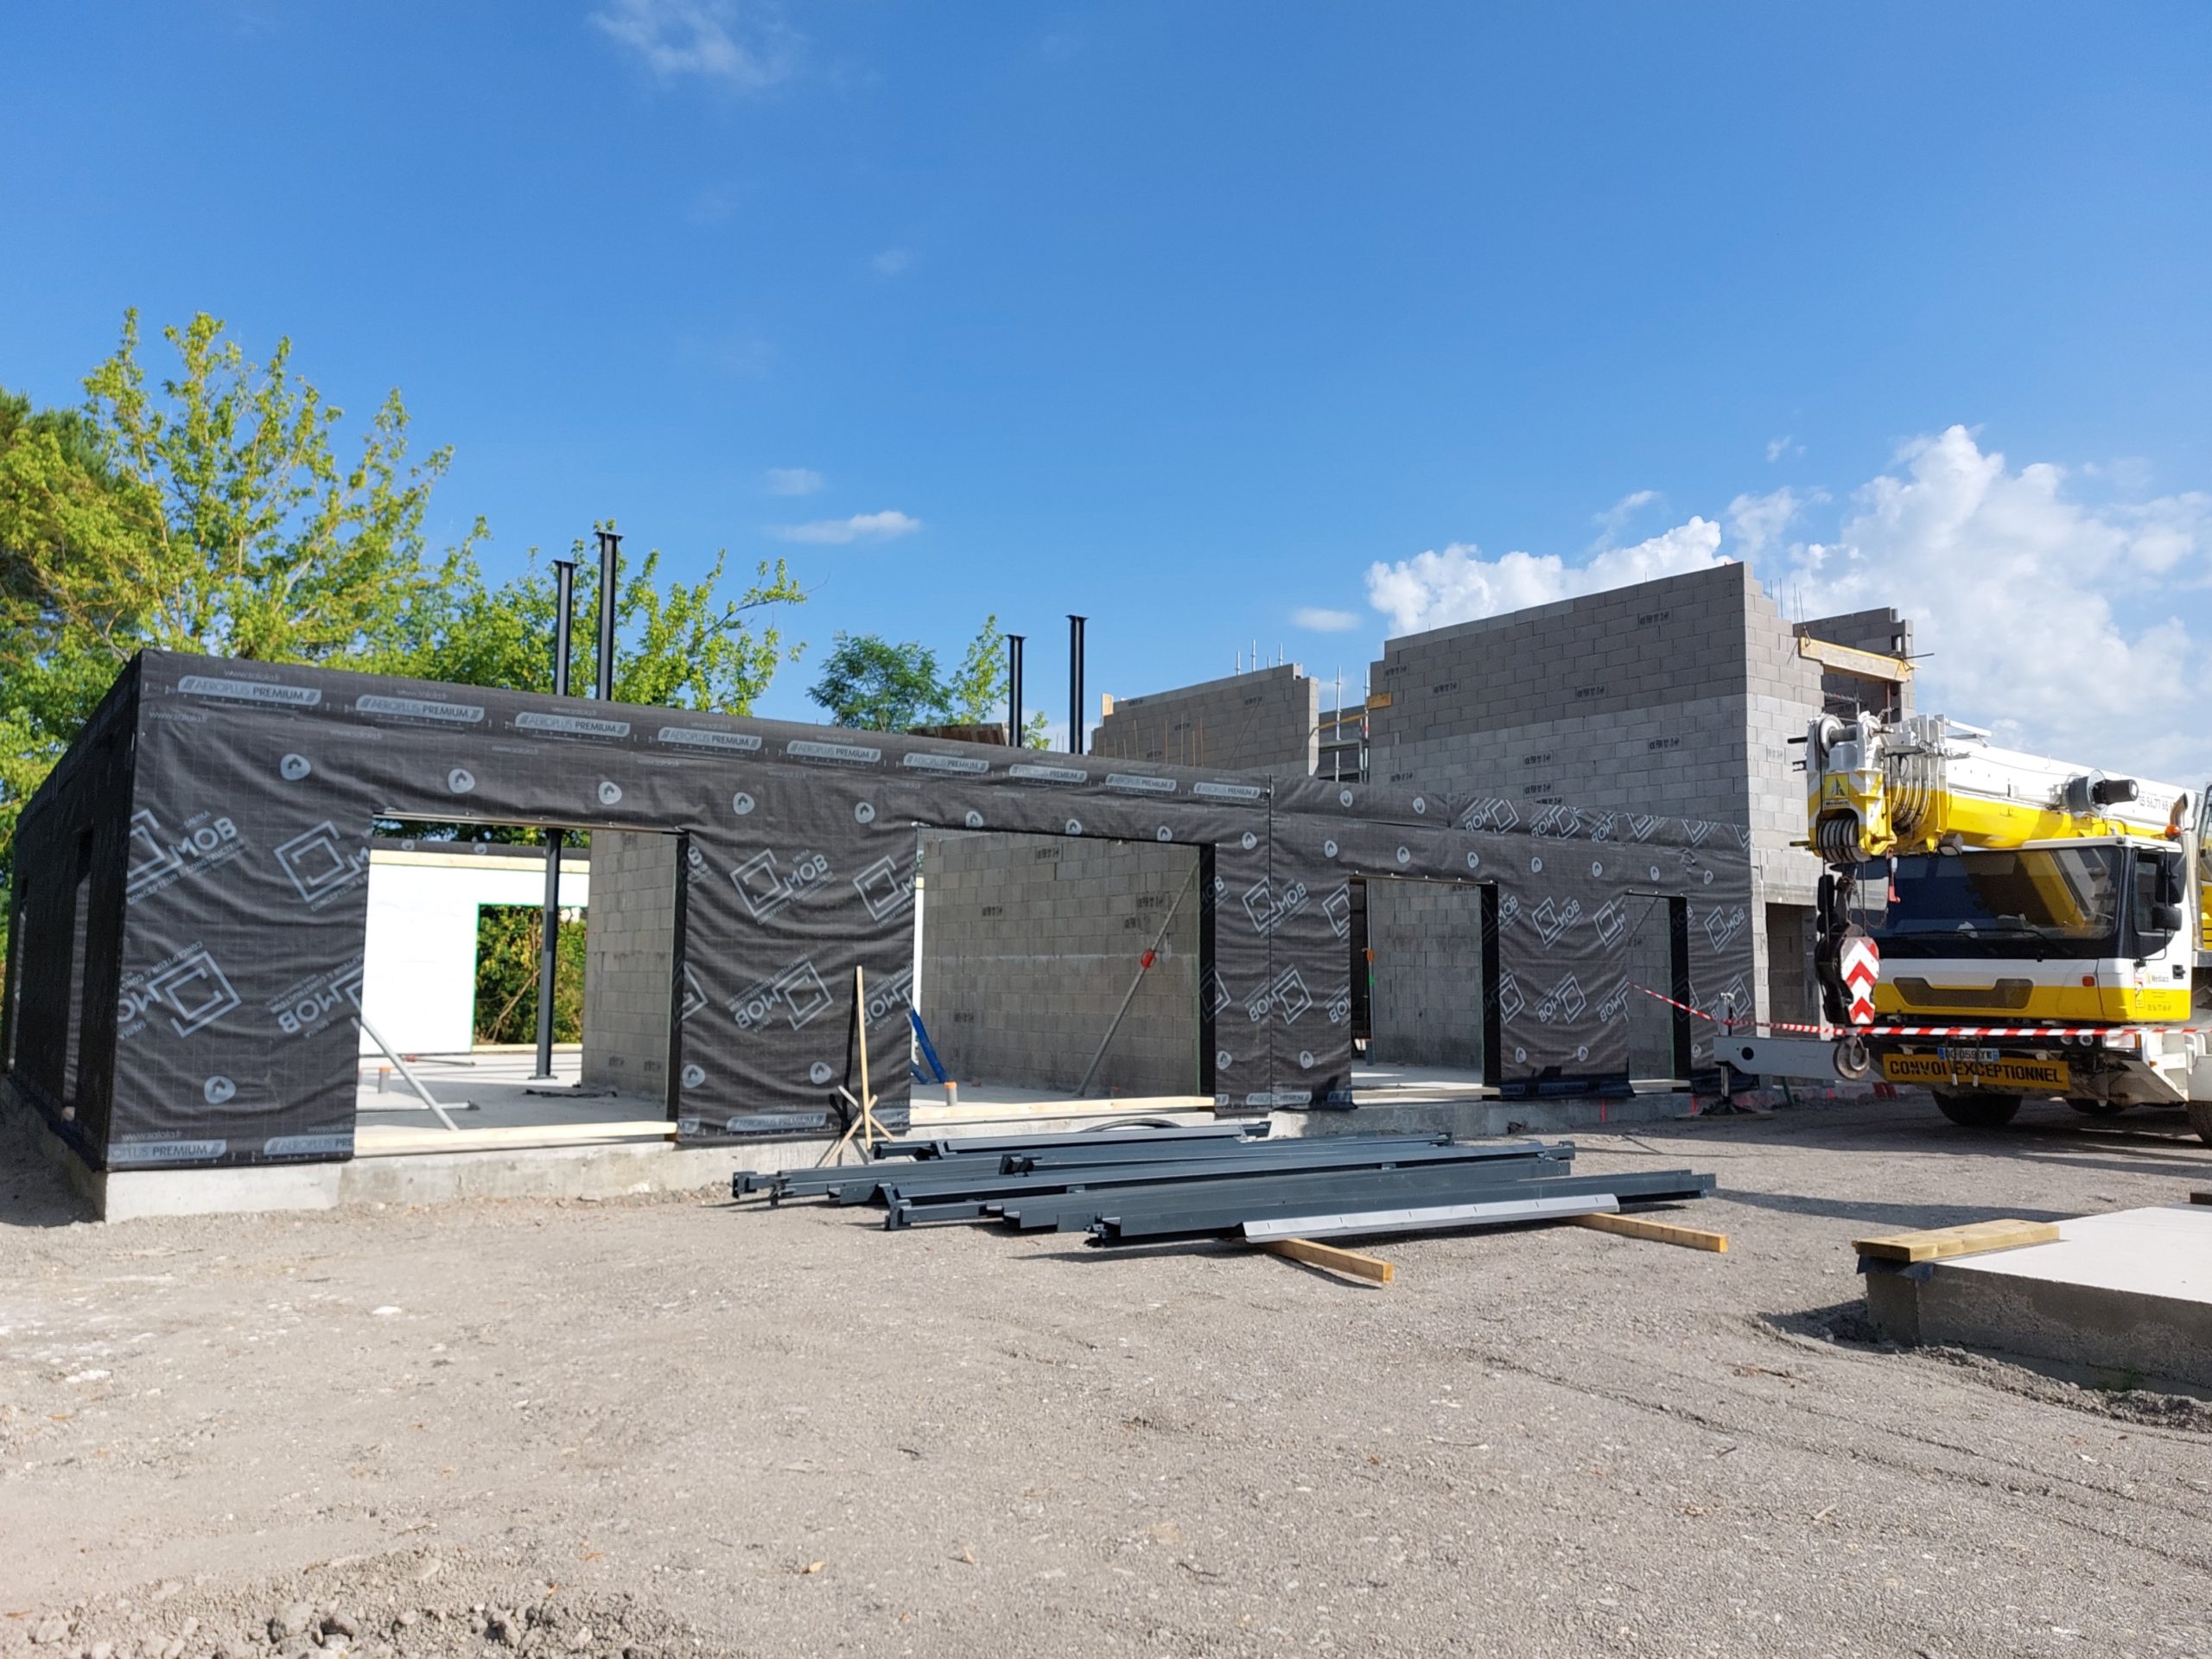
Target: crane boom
(1925, 784)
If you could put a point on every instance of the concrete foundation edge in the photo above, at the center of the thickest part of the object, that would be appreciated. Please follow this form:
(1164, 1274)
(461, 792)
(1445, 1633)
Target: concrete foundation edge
(618, 1170)
(2098, 1328)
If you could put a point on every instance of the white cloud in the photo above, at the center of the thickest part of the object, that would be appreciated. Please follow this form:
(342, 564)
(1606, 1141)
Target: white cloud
(1615, 518)
(1758, 522)
(861, 527)
(1785, 448)
(791, 480)
(2072, 627)
(1324, 621)
(2057, 625)
(1459, 584)
(892, 262)
(707, 38)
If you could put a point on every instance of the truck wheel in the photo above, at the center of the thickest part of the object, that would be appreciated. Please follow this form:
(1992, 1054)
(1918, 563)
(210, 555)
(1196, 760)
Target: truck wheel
(1978, 1111)
(2200, 1119)
(2090, 1107)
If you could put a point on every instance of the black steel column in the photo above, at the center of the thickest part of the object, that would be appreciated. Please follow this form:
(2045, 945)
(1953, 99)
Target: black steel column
(1075, 682)
(608, 544)
(1013, 689)
(549, 958)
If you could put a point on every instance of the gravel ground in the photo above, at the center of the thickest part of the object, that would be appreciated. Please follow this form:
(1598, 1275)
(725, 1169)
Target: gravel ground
(663, 1427)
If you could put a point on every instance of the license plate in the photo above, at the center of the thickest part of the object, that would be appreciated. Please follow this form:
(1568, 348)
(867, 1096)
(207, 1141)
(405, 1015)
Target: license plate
(2028, 1076)
(1971, 1056)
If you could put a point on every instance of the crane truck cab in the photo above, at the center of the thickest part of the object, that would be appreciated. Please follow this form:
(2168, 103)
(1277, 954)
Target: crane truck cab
(2043, 929)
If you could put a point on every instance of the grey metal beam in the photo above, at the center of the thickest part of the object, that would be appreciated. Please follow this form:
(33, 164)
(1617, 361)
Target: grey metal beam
(1070, 1157)
(952, 1145)
(908, 1196)
(1073, 1206)
(1197, 1212)
(1430, 1219)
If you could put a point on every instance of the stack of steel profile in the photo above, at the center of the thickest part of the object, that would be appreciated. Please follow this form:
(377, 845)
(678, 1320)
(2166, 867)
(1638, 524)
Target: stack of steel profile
(1130, 1184)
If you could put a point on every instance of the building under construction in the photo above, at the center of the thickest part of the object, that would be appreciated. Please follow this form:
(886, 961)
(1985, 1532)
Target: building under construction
(192, 889)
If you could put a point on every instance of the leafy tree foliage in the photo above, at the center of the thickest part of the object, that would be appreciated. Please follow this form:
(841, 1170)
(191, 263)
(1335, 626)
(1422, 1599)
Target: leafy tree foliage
(682, 646)
(213, 516)
(868, 683)
(213, 512)
(508, 938)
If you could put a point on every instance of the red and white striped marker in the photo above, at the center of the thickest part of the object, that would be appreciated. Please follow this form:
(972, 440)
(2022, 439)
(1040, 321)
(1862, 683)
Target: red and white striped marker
(1861, 962)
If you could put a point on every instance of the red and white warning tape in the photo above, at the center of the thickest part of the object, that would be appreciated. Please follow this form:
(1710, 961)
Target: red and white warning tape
(1736, 1024)
(1924, 1031)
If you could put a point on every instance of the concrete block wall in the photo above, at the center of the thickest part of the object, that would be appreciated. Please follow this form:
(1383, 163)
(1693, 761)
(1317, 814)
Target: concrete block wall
(1784, 693)
(1792, 989)
(1029, 945)
(1425, 1001)
(1677, 696)
(1266, 721)
(1681, 640)
(629, 958)
(1884, 632)
(1686, 759)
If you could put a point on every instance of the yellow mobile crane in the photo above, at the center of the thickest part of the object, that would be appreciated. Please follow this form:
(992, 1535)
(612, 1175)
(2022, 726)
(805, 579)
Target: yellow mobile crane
(2041, 926)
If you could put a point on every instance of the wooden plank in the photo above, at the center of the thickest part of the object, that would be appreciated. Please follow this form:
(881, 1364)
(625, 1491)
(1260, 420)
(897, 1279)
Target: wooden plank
(1658, 1232)
(1328, 1255)
(1849, 659)
(860, 1021)
(1974, 1238)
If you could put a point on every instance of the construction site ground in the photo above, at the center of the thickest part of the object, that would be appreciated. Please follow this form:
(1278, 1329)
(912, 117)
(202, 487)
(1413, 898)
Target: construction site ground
(658, 1425)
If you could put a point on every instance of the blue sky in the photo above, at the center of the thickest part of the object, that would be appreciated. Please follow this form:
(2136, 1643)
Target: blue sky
(1218, 322)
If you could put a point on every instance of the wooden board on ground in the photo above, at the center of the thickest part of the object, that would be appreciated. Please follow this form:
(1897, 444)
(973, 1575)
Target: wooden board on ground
(1658, 1232)
(1328, 1255)
(1974, 1238)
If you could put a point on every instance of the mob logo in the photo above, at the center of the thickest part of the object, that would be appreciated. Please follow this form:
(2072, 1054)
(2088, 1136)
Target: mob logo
(321, 864)
(191, 989)
(157, 858)
(308, 1004)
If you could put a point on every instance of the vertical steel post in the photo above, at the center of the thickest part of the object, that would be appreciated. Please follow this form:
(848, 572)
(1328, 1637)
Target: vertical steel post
(1075, 682)
(549, 958)
(609, 542)
(1013, 689)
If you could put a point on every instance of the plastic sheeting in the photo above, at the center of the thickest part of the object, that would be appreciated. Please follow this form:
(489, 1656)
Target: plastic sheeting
(252, 791)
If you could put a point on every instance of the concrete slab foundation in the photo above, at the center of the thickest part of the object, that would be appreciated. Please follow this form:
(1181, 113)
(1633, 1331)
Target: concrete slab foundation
(1473, 1119)
(2128, 1292)
(536, 1148)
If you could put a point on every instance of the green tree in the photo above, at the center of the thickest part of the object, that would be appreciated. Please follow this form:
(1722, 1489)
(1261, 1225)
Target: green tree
(213, 516)
(508, 938)
(975, 693)
(55, 491)
(868, 683)
(213, 512)
(679, 646)
(247, 535)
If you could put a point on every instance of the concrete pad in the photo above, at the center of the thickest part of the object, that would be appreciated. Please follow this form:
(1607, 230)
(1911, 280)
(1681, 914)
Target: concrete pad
(1474, 1119)
(2129, 1292)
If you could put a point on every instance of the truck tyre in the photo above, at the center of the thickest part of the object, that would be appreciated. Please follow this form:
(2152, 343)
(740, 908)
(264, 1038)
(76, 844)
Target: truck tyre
(1978, 1111)
(2090, 1108)
(2200, 1119)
